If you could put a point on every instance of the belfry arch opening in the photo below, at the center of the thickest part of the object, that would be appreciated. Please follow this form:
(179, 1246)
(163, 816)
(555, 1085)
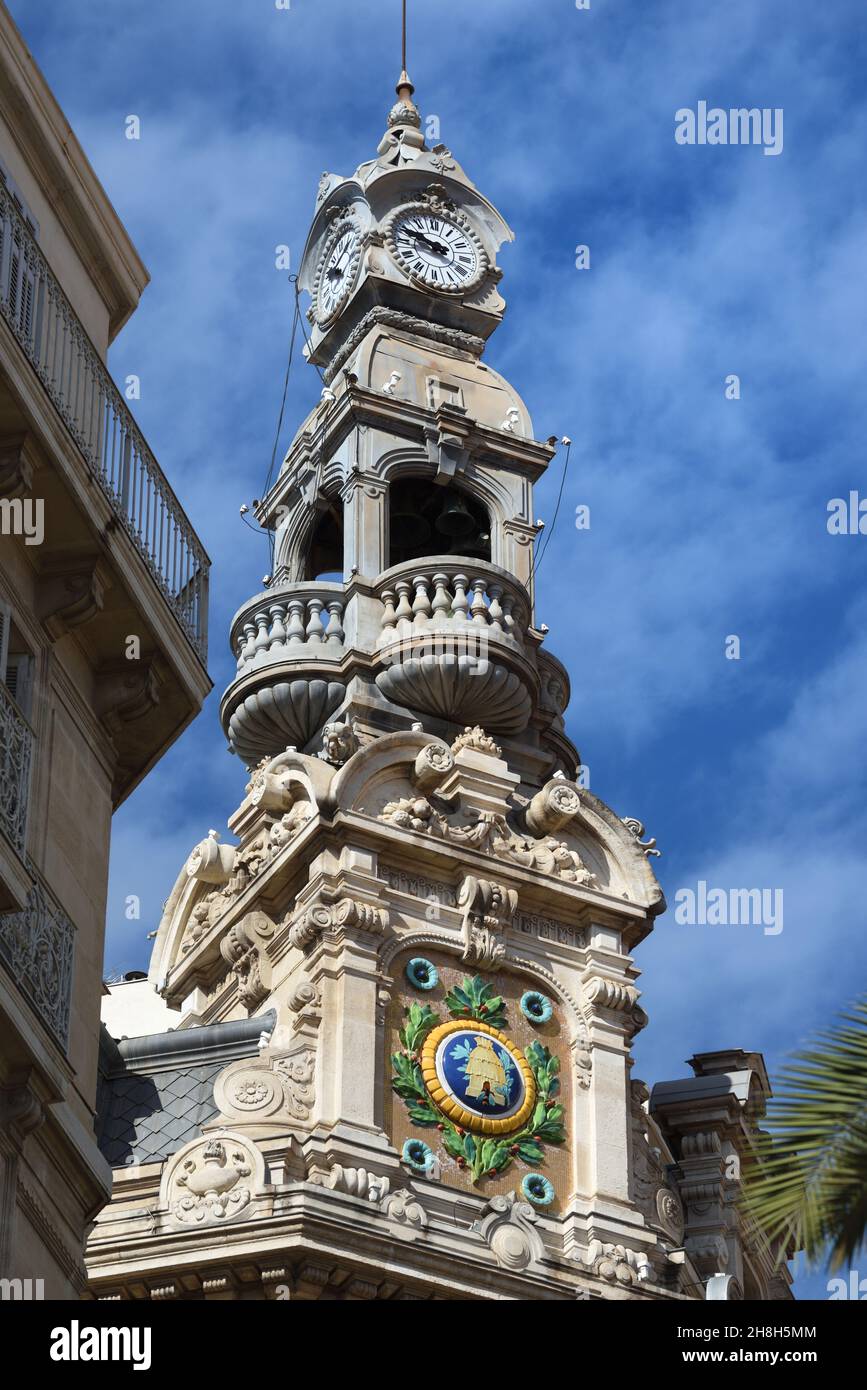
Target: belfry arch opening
(424, 520)
(325, 551)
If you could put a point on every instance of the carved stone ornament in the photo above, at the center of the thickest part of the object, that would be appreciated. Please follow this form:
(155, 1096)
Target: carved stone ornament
(212, 1179)
(554, 806)
(669, 1209)
(636, 830)
(507, 1227)
(276, 1085)
(321, 917)
(617, 1264)
(478, 740)
(490, 834)
(242, 949)
(339, 742)
(610, 994)
(401, 1207)
(488, 909)
(432, 766)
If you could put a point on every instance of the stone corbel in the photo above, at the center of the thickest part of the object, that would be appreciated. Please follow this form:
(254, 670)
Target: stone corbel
(603, 993)
(17, 465)
(242, 948)
(21, 1112)
(450, 452)
(488, 909)
(127, 693)
(71, 593)
(305, 1003)
(332, 917)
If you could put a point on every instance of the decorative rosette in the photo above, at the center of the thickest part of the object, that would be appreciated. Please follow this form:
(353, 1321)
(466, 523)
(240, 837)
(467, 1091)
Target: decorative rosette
(422, 974)
(537, 1189)
(536, 1007)
(418, 1155)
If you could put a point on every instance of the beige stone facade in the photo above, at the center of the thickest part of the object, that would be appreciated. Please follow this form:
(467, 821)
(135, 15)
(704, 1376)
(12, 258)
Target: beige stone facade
(404, 986)
(95, 550)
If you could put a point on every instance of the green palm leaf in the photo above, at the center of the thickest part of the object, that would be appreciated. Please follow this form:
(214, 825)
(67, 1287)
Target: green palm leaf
(807, 1188)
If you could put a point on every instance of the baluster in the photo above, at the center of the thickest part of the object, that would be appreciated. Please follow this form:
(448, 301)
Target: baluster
(421, 602)
(460, 605)
(262, 636)
(334, 632)
(479, 608)
(248, 644)
(442, 603)
(389, 616)
(495, 612)
(508, 616)
(404, 607)
(295, 630)
(278, 630)
(315, 629)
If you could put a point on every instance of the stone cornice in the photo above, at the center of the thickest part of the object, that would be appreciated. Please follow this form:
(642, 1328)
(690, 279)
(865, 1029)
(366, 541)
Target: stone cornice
(67, 178)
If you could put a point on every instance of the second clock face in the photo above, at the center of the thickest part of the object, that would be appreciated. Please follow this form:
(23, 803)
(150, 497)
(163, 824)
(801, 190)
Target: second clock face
(437, 251)
(337, 272)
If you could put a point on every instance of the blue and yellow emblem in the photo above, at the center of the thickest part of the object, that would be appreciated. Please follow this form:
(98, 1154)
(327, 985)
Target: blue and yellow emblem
(477, 1077)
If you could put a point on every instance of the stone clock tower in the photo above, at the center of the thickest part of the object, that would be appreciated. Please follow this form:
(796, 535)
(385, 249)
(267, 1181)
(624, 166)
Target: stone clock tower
(384, 1047)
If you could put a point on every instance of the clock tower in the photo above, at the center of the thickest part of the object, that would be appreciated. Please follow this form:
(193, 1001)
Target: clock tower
(386, 1036)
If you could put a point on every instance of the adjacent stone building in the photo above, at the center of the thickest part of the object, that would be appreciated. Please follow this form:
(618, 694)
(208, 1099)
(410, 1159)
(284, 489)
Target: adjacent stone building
(384, 1048)
(95, 550)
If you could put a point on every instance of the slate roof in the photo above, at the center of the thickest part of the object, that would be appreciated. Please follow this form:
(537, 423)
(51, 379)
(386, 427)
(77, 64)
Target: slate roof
(156, 1092)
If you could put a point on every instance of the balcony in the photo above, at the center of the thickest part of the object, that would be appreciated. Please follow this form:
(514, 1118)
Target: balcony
(456, 643)
(16, 752)
(37, 946)
(290, 645)
(93, 410)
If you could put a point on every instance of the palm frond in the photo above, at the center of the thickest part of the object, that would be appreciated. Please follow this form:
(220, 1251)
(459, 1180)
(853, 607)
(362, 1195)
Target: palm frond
(807, 1188)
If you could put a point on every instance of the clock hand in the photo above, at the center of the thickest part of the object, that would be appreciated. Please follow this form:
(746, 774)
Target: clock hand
(437, 247)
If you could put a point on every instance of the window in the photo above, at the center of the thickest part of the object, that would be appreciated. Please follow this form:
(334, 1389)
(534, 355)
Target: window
(16, 662)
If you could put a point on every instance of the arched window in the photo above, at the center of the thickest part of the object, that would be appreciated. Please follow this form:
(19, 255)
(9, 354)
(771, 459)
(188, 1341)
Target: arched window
(426, 520)
(325, 553)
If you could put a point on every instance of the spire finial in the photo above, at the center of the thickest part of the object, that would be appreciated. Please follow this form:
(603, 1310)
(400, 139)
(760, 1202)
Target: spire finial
(405, 112)
(405, 88)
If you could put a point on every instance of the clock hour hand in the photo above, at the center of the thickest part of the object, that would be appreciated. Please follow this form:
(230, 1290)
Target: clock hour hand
(437, 247)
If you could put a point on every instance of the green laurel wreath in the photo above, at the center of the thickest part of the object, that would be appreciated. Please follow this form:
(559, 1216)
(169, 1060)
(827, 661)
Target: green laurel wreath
(484, 1157)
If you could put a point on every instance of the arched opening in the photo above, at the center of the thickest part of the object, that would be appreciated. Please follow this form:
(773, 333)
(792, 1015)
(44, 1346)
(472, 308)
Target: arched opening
(325, 552)
(424, 520)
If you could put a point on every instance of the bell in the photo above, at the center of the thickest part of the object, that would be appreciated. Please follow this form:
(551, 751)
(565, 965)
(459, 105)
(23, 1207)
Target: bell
(409, 530)
(455, 519)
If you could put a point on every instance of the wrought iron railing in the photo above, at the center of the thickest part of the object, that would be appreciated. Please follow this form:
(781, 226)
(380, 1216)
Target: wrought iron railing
(37, 946)
(76, 379)
(16, 750)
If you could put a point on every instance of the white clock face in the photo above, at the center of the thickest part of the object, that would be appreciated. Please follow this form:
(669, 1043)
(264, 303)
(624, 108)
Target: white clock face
(337, 273)
(437, 251)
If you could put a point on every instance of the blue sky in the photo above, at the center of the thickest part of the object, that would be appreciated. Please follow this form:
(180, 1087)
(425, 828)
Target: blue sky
(708, 516)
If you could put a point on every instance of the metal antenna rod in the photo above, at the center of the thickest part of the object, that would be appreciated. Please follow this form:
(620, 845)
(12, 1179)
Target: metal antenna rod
(403, 64)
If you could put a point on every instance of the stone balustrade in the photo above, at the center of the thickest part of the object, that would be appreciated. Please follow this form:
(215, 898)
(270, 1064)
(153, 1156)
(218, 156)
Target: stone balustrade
(275, 627)
(465, 596)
